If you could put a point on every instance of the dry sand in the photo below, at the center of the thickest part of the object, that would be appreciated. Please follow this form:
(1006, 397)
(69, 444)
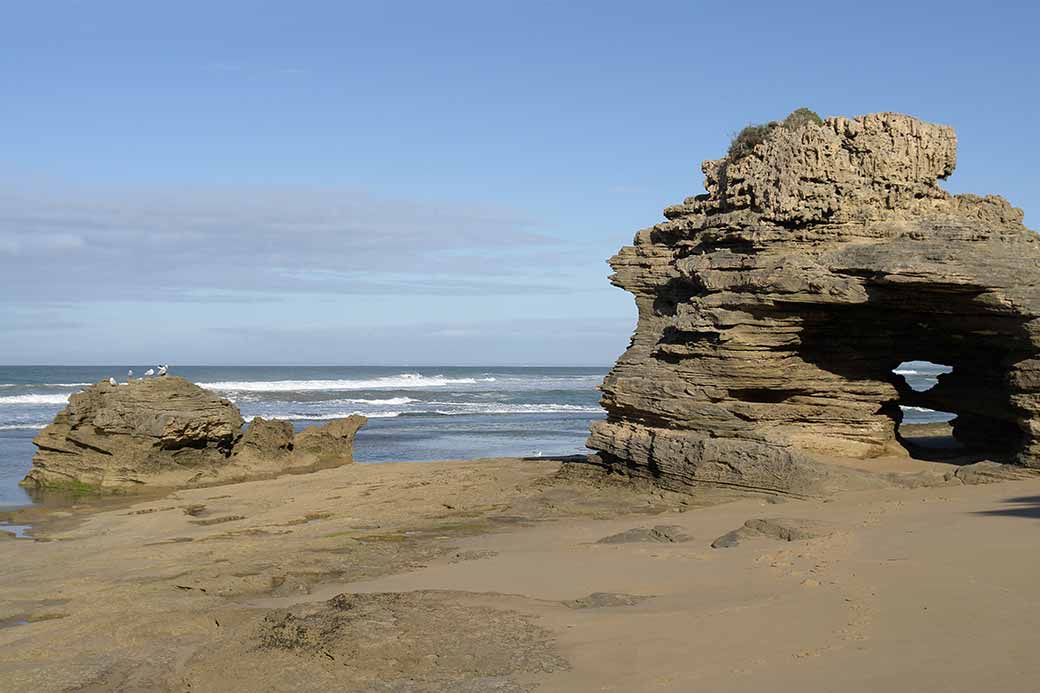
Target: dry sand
(512, 575)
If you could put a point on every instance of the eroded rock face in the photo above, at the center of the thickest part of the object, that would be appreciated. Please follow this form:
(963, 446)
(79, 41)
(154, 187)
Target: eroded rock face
(265, 439)
(321, 445)
(168, 432)
(773, 309)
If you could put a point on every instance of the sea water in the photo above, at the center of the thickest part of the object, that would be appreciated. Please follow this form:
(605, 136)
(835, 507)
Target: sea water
(415, 414)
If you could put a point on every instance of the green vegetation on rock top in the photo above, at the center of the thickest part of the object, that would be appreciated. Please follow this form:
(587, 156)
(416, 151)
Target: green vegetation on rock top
(753, 135)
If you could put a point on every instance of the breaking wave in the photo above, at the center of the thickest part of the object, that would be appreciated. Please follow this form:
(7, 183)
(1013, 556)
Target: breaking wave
(443, 409)
(34, 399)
(456, 408)
(328, 417)
(404, 381)
(30, 385)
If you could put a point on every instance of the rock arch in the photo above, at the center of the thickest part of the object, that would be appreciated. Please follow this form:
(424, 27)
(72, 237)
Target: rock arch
(773, 309)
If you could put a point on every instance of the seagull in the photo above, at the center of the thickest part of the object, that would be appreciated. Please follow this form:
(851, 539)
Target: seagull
(163, 369)
(149, 373)
(112, 381)
(130, 375)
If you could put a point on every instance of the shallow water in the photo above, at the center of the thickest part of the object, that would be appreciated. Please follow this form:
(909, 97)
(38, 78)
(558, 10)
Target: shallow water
(19, 531)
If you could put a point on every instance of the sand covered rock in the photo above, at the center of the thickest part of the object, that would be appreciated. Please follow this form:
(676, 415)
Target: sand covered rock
(774, 308)
(167, 432)
(661, 534)
(778, 528)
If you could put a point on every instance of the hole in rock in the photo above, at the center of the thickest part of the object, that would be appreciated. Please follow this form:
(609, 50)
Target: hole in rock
(921, 376)
(923, 429)
(952, 359)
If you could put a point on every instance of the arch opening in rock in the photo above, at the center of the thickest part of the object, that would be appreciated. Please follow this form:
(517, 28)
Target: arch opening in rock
(867, 346)
(923, 431)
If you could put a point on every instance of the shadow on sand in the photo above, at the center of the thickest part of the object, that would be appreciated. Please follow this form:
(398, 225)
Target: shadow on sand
(1023, 506)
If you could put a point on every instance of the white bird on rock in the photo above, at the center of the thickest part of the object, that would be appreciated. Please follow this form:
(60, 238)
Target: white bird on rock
(112, 381)
(130, 375)
(163, 369)
(149, 373)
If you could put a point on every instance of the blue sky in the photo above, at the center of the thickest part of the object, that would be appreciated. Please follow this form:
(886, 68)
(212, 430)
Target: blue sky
(423, 183)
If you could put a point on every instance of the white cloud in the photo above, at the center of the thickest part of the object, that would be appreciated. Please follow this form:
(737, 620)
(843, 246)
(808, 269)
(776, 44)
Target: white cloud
(180, 243)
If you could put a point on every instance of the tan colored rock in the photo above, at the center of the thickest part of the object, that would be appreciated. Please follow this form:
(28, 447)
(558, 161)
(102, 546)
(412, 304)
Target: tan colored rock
(265, 439)
(168, 432)
(163, 430)
(773, 309)
(332, 443)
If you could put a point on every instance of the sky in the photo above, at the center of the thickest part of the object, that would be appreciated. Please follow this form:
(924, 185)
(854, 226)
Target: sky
(424, 183)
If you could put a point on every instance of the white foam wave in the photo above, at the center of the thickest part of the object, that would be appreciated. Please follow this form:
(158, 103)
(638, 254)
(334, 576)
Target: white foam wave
(34, 399)
(44, 384)
(442, 409)
(22, 427)
(328, 417)
(466, 408)
(390, 401)
(930, 373)
(403, 381)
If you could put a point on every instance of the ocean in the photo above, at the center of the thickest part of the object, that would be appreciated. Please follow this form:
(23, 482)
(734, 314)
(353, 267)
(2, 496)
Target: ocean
(415, 414)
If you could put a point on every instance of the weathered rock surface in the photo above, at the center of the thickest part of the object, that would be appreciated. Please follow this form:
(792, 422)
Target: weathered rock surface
(409, 642)
(167, 432)
(780, 529)
(265, 438)
(774, 308)
(325, 444)
(662, 534)
(606, 600)
(989, 472)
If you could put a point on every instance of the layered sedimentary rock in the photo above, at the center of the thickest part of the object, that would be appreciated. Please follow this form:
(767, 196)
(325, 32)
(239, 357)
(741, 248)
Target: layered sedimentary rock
(169, 432)
(774, 308)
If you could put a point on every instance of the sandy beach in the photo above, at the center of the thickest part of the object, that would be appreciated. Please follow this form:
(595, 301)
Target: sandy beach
(518, 575)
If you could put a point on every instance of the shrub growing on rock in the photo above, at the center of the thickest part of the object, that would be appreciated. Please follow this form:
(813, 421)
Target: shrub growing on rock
(800, 117)
(753, 135)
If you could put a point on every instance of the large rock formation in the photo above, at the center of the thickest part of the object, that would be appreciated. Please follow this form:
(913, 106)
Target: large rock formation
(167, 432)
(774, 308)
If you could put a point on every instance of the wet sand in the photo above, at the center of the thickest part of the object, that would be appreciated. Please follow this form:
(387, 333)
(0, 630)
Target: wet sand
(515, 575)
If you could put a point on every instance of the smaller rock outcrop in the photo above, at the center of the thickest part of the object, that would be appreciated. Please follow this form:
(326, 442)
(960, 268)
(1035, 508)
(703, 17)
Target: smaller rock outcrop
(778, 528)
(322, 445)
(169, 432)
(264, 439)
